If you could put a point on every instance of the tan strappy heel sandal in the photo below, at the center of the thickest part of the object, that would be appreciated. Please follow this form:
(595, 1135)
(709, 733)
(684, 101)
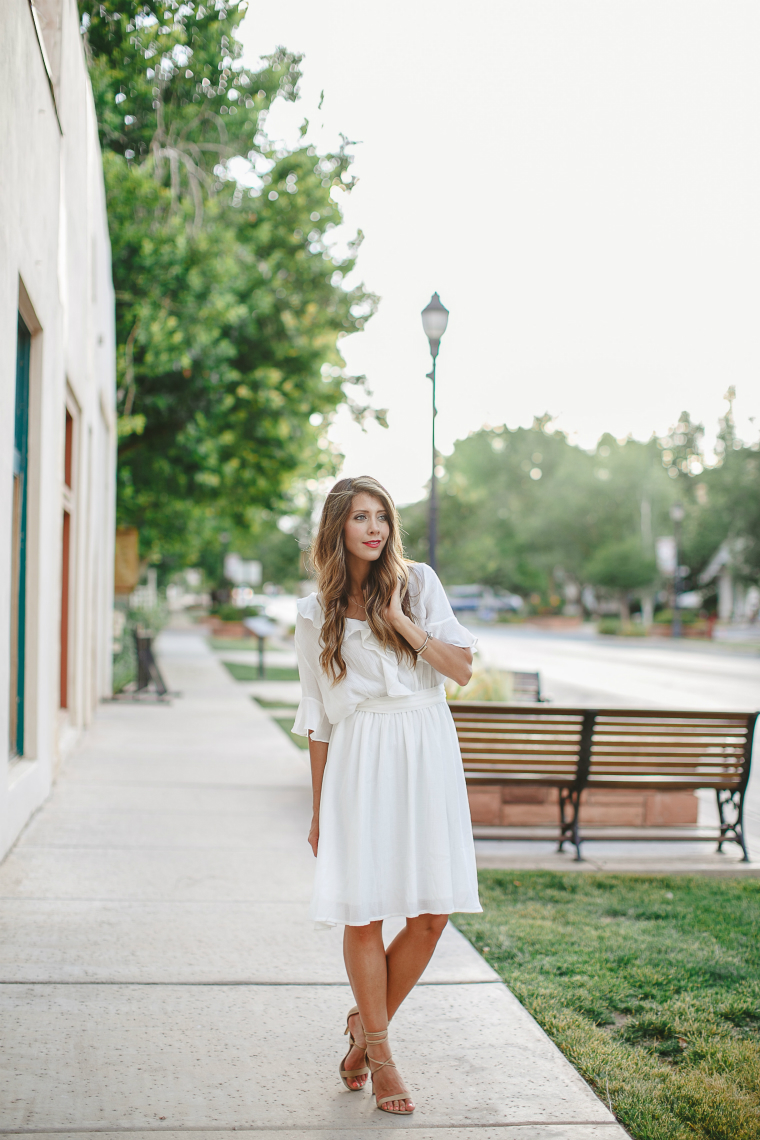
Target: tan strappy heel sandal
(377, 1039)
(345, 1073)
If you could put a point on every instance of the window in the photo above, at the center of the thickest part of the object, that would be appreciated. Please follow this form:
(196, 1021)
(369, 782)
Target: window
(18, 540)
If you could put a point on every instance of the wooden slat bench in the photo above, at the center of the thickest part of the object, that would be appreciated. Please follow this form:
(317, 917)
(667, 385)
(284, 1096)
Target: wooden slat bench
(527, 687)
(631, 749)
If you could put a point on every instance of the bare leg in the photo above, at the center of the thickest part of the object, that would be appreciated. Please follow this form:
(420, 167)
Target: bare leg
(408, 955)
(367, 970)
(364, 954)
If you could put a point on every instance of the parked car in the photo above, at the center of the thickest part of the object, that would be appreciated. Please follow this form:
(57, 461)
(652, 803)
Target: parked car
(482, 602)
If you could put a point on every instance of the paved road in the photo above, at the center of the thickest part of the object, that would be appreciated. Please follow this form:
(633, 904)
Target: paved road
(597, 672)
(158, 972)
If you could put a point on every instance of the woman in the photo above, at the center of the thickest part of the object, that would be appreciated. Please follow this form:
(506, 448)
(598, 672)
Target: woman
(391, 827)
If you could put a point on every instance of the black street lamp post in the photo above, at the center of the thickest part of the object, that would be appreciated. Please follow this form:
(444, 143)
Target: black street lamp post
(434, 320)
(677, 516)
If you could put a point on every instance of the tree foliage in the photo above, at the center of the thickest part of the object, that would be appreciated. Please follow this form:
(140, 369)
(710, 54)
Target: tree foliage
(229, 302)
(525, 510)
(728, 503)
(621, 566)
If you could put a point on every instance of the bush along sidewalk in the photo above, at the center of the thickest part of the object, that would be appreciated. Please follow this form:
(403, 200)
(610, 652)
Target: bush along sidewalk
(650, 986)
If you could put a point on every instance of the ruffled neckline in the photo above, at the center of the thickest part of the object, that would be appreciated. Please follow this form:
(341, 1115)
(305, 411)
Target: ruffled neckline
(311, 608)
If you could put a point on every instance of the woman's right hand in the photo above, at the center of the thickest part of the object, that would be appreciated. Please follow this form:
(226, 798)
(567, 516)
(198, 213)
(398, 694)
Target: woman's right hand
(314, 835)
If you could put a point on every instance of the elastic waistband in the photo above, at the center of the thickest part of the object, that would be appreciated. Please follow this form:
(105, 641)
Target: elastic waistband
(420, 700)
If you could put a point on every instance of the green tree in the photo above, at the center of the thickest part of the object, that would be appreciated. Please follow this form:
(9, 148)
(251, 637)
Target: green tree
(621, 567)
(727, 510)
(497, 483)
(682, 448)
(722, 502)
(525, 510)
(229, 300)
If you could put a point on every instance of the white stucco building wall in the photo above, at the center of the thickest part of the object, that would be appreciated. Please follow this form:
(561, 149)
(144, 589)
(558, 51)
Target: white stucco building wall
(55, 272)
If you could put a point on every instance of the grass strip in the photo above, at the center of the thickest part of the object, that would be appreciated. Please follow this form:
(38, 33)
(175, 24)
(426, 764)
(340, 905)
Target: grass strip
(234, 643)
(286, 724)
(650, 986)
(251, 672)
(275, 704)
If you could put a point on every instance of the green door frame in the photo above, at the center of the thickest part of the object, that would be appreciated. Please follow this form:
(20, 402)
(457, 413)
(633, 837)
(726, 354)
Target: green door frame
(20, 472)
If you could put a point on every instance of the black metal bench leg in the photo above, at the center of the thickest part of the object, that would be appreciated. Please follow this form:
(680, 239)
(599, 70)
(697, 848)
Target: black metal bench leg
(739, 828)
(576, 836)
(575, 800)
(581, 774)
(562, 822)
(721, 822)
(732, 832)
(155, 674)
(569, 827)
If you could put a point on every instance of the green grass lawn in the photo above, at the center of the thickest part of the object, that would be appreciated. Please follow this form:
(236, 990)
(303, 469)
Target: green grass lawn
(251, 672)
(234, 643)
(650, 986)
(286, 724)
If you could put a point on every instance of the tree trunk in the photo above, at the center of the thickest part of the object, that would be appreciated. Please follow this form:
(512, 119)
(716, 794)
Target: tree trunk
(647, 610)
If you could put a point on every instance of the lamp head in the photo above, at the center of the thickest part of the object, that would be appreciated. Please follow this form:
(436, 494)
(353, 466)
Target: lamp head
(434, 320)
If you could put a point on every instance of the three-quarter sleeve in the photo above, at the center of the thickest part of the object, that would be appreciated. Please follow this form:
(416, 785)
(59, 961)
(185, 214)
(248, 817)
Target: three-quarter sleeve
(436, 613)
(311, 716)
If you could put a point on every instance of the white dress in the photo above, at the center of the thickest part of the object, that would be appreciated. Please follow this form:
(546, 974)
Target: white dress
(395, 836)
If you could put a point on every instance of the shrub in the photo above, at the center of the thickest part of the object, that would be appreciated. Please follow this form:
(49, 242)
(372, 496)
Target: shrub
(226, 611)
(485, 685)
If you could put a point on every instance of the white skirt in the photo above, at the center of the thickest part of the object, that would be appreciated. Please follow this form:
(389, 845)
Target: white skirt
(395, 836)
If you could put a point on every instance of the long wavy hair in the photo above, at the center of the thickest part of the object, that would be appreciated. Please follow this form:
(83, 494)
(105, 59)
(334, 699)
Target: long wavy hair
(328, 556)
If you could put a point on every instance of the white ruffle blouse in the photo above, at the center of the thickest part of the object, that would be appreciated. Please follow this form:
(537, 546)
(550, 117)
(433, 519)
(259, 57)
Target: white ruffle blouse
(371, 670)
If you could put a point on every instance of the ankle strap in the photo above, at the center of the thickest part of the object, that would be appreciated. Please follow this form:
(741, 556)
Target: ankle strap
(375, 1038)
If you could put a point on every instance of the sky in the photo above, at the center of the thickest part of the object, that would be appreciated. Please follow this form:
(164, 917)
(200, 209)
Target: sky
(579, 181)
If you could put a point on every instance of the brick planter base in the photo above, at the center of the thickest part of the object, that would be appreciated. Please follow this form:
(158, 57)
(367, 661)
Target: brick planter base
(526, 807)
(230, 629)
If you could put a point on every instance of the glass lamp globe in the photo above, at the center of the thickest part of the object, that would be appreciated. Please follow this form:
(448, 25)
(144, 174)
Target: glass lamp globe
(434, 319)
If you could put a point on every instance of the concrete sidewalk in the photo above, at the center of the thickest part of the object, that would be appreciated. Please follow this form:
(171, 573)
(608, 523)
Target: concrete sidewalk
(158, 971)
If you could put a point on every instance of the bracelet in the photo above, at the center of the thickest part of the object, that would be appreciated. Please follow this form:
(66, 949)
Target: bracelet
(424, 644)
